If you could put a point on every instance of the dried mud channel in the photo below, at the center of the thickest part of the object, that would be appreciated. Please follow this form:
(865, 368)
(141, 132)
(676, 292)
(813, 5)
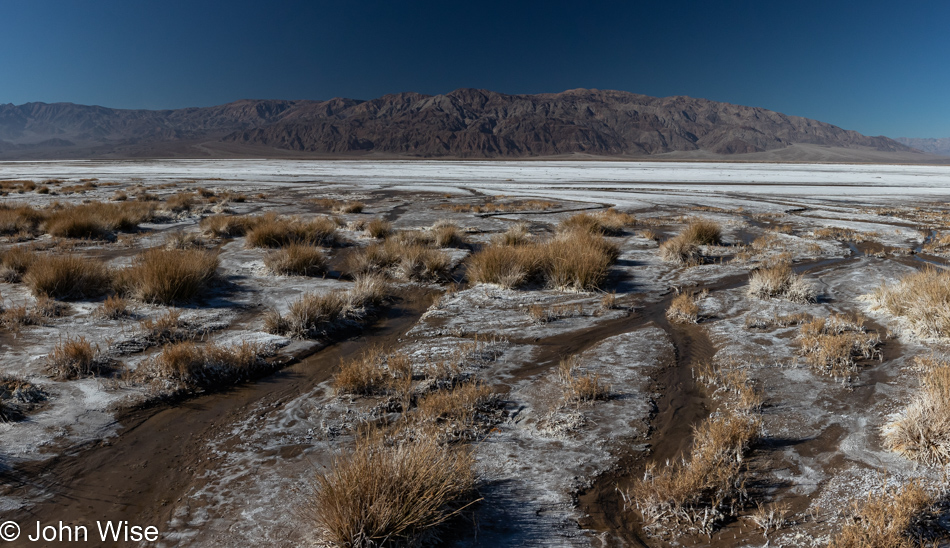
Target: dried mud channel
(160, 453)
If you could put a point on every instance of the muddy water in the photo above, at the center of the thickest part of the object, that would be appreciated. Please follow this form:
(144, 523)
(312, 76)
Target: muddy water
(160, 453)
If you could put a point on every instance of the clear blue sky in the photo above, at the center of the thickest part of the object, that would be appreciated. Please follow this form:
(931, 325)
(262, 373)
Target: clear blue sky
(881, 68)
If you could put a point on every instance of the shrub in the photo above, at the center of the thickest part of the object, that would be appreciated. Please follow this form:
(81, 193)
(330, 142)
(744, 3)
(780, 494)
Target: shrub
(391, 494)
(609, 222)
(831, 345)
(168, 276)
(696, 493)
(273, 231)
(227, 226)
(577, 261)
(515, 235)
(406, 260)
(167, 328)
(446, 234)
(15, 262)
(681, 251)
(503, 265)
(580, 388)
(314, 314)
(778, 280)
(702, 232)
(921, 431)
(379, 228)
(923, 298)
(113, 308)
(19, 219)
(364, 375)
(683, 309)
(67, 277)
(186, 365)
(296, 260)
(97, 220)
(71, 359)
(886, 519)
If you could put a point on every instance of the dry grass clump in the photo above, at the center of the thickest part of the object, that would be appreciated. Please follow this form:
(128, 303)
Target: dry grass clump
(227, 226)
(516, 235)
(179, 202)
(446, 234)
(96, 220)
(19, 219)
(296, 260)
(186, 365)
(697, 493)
(921, 432)
(888, 519)
(491, 206)
(608, 222)
(785, 320)
(731, 385)
(580, 388)
(14, 392)
(400, 258)
(168, 276)
(778, 280)
(273, 231)
(169, 327)
(372, 372)
(702, 232)
(574, 261)
(67, 277)
(14, 263)
(923, 298)
(340, 206)
(460, 404)
(683, 309)
(843, 234)
(184, 240)
(379, 228)
(679, 250)
(391, 494)
(72, 359)
(315, 314)
(831, 345)
(113, 308)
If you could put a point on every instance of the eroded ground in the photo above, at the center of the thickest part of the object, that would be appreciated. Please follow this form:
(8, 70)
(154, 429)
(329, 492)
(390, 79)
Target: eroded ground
(233, 465)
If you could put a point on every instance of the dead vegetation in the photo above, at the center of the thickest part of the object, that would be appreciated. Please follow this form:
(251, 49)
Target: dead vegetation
(16, 396)
(684, 248)
(580, 387)
(340, 206)
(296, 260)
(888, 518)
(271, 230)
(67, 277)
(695, 494)
(832, 345)
(190, 366)
(921, 431)
(401, 257)
(922, 298)
(608, 222)
(168, 276)
(778, 280)
(382, 494)
(315, 314)
(73, 358)
(684, 309)
(491, 206)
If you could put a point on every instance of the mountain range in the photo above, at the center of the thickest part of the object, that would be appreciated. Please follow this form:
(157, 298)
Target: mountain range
(465, 123)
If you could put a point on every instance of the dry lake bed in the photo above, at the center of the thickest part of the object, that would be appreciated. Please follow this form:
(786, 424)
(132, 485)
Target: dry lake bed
(604, 353)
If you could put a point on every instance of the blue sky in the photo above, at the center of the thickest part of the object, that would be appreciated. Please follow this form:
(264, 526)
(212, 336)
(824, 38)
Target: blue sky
(881, 68)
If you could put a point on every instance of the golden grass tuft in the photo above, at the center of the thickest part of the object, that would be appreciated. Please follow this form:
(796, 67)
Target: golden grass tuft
(168, 276)
(408, 260)
(702, 232)
(680, 251)
(922, 298)
(379, 228)
(831, 345)
(580, 388)
(113, 308)
(186, 365)
(72, 359)
(698, 492)
(446, 234)
(96, 220)
(314, 314)
(272, 231)
(921, 431)
(683, 309)
(887, 519)
(227, 226)
(296, 260)
(14, 263)
(391, 493)
(778, 280)
(67, 277)
(609, 222)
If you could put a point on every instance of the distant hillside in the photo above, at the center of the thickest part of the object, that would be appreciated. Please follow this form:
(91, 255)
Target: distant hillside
(466, 123)
(933, 146)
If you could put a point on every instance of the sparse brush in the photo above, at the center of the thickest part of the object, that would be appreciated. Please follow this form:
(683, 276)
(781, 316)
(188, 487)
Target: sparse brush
(683, 309)
(179, 202)
(227, 226)
(577, 261)
(188, 365)
(113, 308)
(503, 265)
(580, 388)
(19, 219)
(696, 494)
(778, 280)
(887, 519)
(421, 263)
(921, 431)
(731, 385)
(350, 207)
(15, 262)
(169, 327)
(609, 301)
(168, 276)
(609, 222)
(273, 231)
(702, 232)
(313, 313)
(770, 517)
(97, 220)
(72, 359)
(649, 234)
(367, 290)
(67, 277)
(923, 298)
(363, 375)
(296, 260)
(184, 240)
(446, 234)
(831, 345)
(515, 235)
(679, 250)
(391, 494)
(379, 228)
